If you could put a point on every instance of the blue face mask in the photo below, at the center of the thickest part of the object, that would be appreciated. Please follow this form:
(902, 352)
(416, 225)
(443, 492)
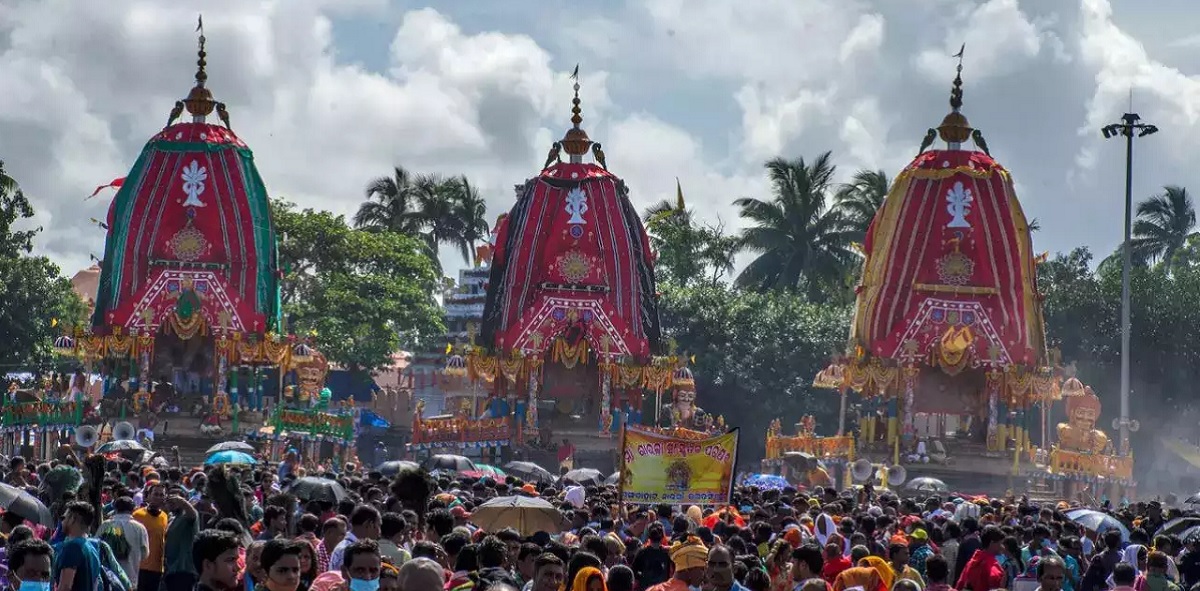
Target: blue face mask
(34, 586)
(355, 585)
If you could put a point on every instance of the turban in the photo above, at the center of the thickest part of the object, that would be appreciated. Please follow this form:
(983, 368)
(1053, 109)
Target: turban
(689, 554)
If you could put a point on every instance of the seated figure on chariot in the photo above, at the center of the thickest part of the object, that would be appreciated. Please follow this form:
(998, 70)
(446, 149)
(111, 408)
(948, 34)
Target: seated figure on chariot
(1079, 433)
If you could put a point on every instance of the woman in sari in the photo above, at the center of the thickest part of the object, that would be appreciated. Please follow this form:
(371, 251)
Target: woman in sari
(886, 575)
(589, 579)
(860, 577)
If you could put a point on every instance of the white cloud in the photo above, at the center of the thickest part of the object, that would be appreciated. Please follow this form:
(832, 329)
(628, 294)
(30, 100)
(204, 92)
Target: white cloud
(867, 36)
(999, 38)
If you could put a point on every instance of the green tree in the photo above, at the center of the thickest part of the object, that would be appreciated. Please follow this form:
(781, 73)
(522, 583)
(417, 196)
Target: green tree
(688, 253)
(756, 354)
(1163, 226)
(802, 243)
(38, 304)
(859, 199)
(363, 293)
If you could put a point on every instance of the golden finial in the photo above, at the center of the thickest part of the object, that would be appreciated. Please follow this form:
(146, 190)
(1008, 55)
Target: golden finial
(576, 142)
(199, 101)
(955, 129)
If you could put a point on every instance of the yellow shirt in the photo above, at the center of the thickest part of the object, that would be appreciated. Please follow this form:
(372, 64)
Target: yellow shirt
(156, 533)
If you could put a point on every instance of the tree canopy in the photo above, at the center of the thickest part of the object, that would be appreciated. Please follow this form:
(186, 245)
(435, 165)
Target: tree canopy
(38, 304)
(364, 294)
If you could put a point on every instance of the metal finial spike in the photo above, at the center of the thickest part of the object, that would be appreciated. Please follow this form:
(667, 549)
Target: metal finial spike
(576, 112)
(956, 93)
(201, 75)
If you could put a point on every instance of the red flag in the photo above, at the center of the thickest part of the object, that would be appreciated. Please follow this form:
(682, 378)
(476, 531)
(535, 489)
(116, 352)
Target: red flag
(116, 184)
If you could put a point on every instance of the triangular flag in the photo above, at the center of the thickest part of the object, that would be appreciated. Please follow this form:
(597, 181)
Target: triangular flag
(115, 184)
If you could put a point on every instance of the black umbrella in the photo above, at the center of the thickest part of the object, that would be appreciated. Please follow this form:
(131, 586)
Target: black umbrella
(1177, 525)
(231, 446)
(313, 488)
(120, 445)
(397, 466)
(449, 463)
(23, 504)
(529, 472)
(584, 476)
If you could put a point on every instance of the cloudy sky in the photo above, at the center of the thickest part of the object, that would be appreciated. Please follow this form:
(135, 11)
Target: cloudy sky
(331, 93)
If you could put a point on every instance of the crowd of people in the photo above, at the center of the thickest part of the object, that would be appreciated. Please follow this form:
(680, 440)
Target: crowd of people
(118, 526)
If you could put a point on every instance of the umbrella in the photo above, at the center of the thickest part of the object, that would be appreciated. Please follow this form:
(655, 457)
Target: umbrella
(529, 472)
(23, 504)
(230, 457)
(397, 466)
(768, 481)
(120, 445)
(1098, 522)
(613, 478)
(231, 446)
(527, 515)
(313, 488)
(926, 484)
(584, 476)
(492, 471)
(719, 516)
(449, 463)
(1177, 525)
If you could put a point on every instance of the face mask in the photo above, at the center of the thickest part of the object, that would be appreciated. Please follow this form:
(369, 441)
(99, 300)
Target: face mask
(365, 585)
(34, 586)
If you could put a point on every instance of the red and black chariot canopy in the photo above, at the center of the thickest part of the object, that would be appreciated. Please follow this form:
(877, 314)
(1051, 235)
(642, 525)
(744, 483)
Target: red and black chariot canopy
(573, 260)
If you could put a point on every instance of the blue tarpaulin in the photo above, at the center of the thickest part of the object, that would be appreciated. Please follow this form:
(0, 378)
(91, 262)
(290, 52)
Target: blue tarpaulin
(368, 418)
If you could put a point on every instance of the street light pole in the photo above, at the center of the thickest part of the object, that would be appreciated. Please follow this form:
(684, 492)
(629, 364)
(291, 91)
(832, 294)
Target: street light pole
(1128, 127)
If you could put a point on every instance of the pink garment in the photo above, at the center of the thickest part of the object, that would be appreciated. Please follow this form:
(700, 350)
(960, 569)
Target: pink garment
(326, 581)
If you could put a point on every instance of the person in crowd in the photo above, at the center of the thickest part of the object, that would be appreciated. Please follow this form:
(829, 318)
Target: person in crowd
(983, 571)
(78, 564)
(365, 524)
(215, 555)
(29, 565)
(280, 561)
(154, 520)
(126, 537)
(549, 573)
(361, 565)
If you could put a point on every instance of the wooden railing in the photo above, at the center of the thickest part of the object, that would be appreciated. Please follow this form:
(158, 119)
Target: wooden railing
(1075, 463)
(841, 446)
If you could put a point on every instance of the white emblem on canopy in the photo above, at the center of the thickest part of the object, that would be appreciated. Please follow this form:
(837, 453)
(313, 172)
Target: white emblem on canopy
(958, 205)
(577, 206)
(193, 177)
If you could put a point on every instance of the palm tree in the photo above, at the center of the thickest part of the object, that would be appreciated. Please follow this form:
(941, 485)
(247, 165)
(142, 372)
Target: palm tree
(1163, 225)
(470, 211)
(390, 204)
(802, 243)
(859, 199)
(430, 207)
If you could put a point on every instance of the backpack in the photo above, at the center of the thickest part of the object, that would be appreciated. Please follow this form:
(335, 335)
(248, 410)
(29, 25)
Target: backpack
(114, 536)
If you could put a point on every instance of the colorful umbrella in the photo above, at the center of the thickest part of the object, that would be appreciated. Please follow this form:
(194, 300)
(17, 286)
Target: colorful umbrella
(230, 457)
(768, 481)
(492, 471)
(231, 446)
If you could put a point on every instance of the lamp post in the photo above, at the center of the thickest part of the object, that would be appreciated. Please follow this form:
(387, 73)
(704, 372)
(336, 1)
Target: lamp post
(1129, 127)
